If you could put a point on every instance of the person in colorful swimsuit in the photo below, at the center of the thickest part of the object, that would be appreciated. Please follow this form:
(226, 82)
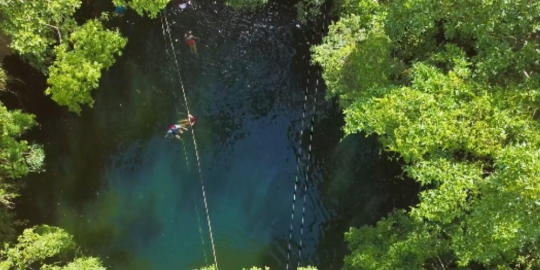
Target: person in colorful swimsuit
(177, 129)
(190, 41)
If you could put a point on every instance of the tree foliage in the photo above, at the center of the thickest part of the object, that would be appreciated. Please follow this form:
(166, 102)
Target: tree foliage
(35, 27)
(213, 267)
(85, 263)
(249, 4)
(151, 8)
(309, 9)
(77, 68)
(3, 79)
(39, 243)
(408, 244)
(47, 35)
(452, 88)
(17, 157)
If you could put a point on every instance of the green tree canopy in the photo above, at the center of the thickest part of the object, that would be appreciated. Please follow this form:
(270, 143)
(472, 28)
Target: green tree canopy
(47, 35)
(3, 79)
(408, 244)
(452, 88)
(85, 263)
(36, 26)
(213, 267)
(39, 243)
(151, 8)
(17, 157)
(77, 68)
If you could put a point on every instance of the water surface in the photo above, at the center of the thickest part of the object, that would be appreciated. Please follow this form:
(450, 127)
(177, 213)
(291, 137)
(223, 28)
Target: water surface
(134, 198)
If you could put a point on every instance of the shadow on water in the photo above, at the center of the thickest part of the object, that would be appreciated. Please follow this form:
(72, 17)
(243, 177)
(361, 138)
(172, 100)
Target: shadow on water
(129, 195)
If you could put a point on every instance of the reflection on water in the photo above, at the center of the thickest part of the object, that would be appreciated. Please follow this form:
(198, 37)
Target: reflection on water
(129, 195)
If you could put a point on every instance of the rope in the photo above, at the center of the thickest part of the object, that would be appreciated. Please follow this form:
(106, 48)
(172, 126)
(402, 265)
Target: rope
(174, 94)
(306, 179)
(312, 121)
(298, 167)
(200, 232)
(183, 144)
(195, 145)
(308, 166)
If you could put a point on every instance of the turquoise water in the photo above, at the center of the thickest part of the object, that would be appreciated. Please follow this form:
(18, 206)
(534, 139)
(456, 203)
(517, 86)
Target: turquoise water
(134, 198)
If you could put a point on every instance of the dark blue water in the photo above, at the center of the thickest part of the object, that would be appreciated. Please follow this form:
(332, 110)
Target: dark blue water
(134, 198)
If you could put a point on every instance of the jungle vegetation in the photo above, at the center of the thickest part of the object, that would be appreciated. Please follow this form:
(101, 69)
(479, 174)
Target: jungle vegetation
(213, 267)
(73, 55)
(44, 246)
(452, 89)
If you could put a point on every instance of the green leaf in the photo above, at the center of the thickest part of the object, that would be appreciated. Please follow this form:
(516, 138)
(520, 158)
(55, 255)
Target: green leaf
(77, 69)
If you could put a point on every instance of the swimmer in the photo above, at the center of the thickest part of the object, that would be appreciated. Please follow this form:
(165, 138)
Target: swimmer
(175, 131)
(178, 129)
(190, 41)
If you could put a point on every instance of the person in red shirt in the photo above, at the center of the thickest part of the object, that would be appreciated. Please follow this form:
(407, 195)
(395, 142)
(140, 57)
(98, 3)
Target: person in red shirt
(190, 41)
(191, 120)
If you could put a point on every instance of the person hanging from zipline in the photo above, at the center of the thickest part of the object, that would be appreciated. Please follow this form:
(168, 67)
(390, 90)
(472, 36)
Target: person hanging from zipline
(175, 131)
(178, 129)
(191, 120)
(190, 41)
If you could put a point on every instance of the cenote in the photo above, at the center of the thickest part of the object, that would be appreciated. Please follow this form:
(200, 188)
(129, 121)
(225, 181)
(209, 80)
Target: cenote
(134, 198)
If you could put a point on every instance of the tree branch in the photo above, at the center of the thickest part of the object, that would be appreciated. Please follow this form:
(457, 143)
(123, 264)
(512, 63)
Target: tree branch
(57, 30)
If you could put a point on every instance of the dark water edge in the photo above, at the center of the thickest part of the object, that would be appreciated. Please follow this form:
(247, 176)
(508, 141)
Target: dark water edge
(355, 183)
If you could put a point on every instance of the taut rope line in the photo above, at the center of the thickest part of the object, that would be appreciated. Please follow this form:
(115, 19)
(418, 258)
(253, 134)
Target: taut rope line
(306, 179)
(195, 145)
(312, 121)
(298, 166)
(200, 231)
(174, 94)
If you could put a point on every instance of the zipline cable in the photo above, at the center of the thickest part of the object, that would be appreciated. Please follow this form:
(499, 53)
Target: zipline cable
(312, 122)
(183, 144)
(200, 231)
(194, 143)
(185, 153)
(306, 176)
(174, 94)
(298, 166)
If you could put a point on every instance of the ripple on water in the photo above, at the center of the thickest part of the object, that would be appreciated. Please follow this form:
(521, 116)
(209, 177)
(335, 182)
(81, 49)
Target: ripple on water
(144, 209)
